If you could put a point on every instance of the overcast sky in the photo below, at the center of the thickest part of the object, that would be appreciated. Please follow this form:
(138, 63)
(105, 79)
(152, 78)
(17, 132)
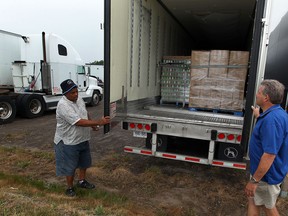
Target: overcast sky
(77, 21)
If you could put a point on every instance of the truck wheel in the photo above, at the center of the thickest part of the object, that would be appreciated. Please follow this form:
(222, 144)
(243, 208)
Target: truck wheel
(7, 110)
(95, 99)
(161, 142)
(32, 106)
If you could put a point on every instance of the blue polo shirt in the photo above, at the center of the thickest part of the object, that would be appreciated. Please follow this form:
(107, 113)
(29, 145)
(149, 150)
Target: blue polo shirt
(270, 135)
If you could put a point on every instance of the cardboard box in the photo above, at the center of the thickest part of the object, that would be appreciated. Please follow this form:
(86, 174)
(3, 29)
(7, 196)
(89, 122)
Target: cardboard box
(238, 95)
(216, 93)
(196, 83)
(239, 59)
(232, 105)
(195, 92)
(227, 95)
(218, 58)
(199, 64)
(237, 73)
(205, 93)
(200, 58)
(230, 84)
(199, 73)
(195, 102)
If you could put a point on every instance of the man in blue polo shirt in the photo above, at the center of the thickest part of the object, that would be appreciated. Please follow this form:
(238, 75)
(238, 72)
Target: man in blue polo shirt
(268, 149)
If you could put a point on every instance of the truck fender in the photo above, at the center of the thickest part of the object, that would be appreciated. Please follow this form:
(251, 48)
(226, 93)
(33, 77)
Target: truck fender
(92, 88)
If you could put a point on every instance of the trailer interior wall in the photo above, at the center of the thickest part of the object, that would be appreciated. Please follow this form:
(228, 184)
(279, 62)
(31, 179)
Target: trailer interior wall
(142, 33)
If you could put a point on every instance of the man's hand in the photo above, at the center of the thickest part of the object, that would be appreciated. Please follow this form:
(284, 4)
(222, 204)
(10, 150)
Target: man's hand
(256, 111)
(105, 120)
(250, 189)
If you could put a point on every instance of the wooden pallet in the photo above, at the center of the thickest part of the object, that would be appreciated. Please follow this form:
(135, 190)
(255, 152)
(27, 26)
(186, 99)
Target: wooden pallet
(231, 112)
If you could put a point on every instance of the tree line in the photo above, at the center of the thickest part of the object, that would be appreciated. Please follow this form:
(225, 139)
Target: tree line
(101, 62)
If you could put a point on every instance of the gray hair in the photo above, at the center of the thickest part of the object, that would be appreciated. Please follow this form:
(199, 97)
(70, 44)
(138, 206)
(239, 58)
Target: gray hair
(274, 89)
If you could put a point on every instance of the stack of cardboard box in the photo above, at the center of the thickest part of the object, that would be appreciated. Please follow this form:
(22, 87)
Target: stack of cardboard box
(218, 79)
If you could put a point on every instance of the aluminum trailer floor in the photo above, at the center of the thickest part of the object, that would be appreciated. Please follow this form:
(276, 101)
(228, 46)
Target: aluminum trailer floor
(182, 115)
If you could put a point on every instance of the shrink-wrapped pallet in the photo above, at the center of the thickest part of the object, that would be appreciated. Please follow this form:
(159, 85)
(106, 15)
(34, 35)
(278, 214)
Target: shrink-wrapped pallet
(218, 79)
(175, 79)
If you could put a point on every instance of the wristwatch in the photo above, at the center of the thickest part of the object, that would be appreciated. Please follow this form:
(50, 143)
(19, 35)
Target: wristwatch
(253, 180)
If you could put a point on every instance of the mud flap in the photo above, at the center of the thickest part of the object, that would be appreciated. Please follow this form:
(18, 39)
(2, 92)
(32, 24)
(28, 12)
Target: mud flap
(229, 152)
(161, 142)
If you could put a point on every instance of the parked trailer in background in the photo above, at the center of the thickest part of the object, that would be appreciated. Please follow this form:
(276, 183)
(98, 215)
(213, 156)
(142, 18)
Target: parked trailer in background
(139, 34)
(98, 72)
(31, 70)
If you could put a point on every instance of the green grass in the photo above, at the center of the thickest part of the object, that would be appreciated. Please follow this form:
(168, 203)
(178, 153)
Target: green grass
(29, 196)
(44, 155)
(44, 187)
(8, 149)
(23, 164)
(99, 210)
(30, 181)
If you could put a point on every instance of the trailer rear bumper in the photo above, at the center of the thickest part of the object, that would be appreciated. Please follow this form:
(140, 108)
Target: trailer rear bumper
(187, 158)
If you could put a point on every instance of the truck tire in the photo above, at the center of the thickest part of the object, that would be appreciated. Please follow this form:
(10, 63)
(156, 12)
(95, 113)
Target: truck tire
(7, 110)
(95, 99)
(161, 142)
(31, 105)
(18, 104)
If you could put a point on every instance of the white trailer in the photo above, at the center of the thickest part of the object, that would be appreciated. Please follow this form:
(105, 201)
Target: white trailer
(31, 70)
(139, 33)
(97, 70)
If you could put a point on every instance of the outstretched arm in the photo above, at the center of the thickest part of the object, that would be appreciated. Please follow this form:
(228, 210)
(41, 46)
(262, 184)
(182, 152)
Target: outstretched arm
(91, 123)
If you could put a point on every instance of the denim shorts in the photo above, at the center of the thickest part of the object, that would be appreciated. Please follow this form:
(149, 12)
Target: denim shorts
(70, 157)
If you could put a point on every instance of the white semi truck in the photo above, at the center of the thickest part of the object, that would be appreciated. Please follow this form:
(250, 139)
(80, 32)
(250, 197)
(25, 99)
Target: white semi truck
(31, 70)
(139, 33)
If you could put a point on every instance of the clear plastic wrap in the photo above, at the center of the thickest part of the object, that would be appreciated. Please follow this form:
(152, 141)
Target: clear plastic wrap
(218, 79)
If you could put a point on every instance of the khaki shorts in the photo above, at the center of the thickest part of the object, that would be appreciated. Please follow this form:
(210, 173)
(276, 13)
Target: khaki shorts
(266, 194)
